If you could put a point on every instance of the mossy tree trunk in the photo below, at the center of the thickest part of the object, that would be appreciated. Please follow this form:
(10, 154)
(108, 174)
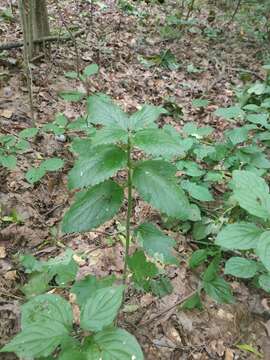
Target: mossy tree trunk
(35, 23)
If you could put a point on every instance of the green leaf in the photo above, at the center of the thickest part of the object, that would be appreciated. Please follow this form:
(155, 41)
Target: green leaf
(190, 168)
(211, 272)
(258, 88)
(113, 344)
(219, 290)
(198, 192)
(37, 284)
(197, 258)
(240, 267)
(155, 182)
(193, 302)
(63, 267)
(30, 263)
(81, 146)
(263, 249)
(48, 307)
(157, 142)
(239, 236)
(145, 117)
(28, 133)
(161, 287)
(191, 129)
(252, 193)
(37, 340)
(8, 161)
(72, 95)
(142, 270)
(99, 164)
(228, 113)
(83, 288)
(249, 348)
(91, 70)
(264, 282)
(71, 354)
(52, 164)
(71, 75)
(101, 110)
(109, 135)
(61, 120)
(101, 308)
(93, 207)
(260, 119)
(200, 103)
(237, 135)
(33, 175)
(156, 244)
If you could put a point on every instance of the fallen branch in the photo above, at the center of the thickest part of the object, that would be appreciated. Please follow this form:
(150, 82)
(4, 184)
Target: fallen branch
(181, 301)
(51, 38)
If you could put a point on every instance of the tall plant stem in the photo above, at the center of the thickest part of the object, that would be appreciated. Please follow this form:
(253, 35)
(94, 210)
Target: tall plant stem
(129, 208)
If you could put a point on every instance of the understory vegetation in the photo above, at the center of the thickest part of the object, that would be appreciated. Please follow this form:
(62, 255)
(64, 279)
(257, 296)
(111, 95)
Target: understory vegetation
(205, 181)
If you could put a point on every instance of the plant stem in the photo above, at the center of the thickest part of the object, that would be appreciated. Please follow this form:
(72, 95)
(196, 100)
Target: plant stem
(129, 208)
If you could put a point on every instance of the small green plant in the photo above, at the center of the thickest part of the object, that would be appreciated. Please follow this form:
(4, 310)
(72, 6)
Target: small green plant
(165, 59)
(12, 145)
(109, 150)
(33, 175)
(49, 330)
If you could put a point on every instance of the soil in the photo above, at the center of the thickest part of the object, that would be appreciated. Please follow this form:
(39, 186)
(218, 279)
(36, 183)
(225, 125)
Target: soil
(114, 39)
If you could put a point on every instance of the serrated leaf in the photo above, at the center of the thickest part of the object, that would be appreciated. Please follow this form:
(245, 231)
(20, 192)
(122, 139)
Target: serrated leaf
(264, 282)
(93, 207)
(258, 88)
(101, 308)
(28, 133)
(52, 164)
(198, 192)
(263, 249)
(155, 182)
(237, 135)
(99, 164)
(145, 117)
(48, 307)
(81, 146)
(240, 267)
(156, 244)
(219, 290)
(197, 258)
(157, 142)
(193, 302)
(239, 236)
(72, 95)
(8, 161)
(83, 288)
(37, 340)
(252, 193)
(101, 110)
(191, 129)
(91, 70)
(109, 135)
(113, 344)
(142, 270)
(228, 113)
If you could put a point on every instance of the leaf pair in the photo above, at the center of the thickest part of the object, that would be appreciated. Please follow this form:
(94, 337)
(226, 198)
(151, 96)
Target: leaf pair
(47, 323)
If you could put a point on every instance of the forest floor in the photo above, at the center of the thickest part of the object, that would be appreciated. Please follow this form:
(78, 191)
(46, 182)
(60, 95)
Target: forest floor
(114, 40)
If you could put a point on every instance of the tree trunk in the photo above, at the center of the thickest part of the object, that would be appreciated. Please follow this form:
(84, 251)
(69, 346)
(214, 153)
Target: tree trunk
(35, 23)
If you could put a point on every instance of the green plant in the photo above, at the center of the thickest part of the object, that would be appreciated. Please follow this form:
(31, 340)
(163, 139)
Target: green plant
(49, 330)
(12, 145)
(109, 150)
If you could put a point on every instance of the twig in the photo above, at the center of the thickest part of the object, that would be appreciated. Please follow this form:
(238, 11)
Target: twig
(234, 13)
(51, 38)
(153, 318)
